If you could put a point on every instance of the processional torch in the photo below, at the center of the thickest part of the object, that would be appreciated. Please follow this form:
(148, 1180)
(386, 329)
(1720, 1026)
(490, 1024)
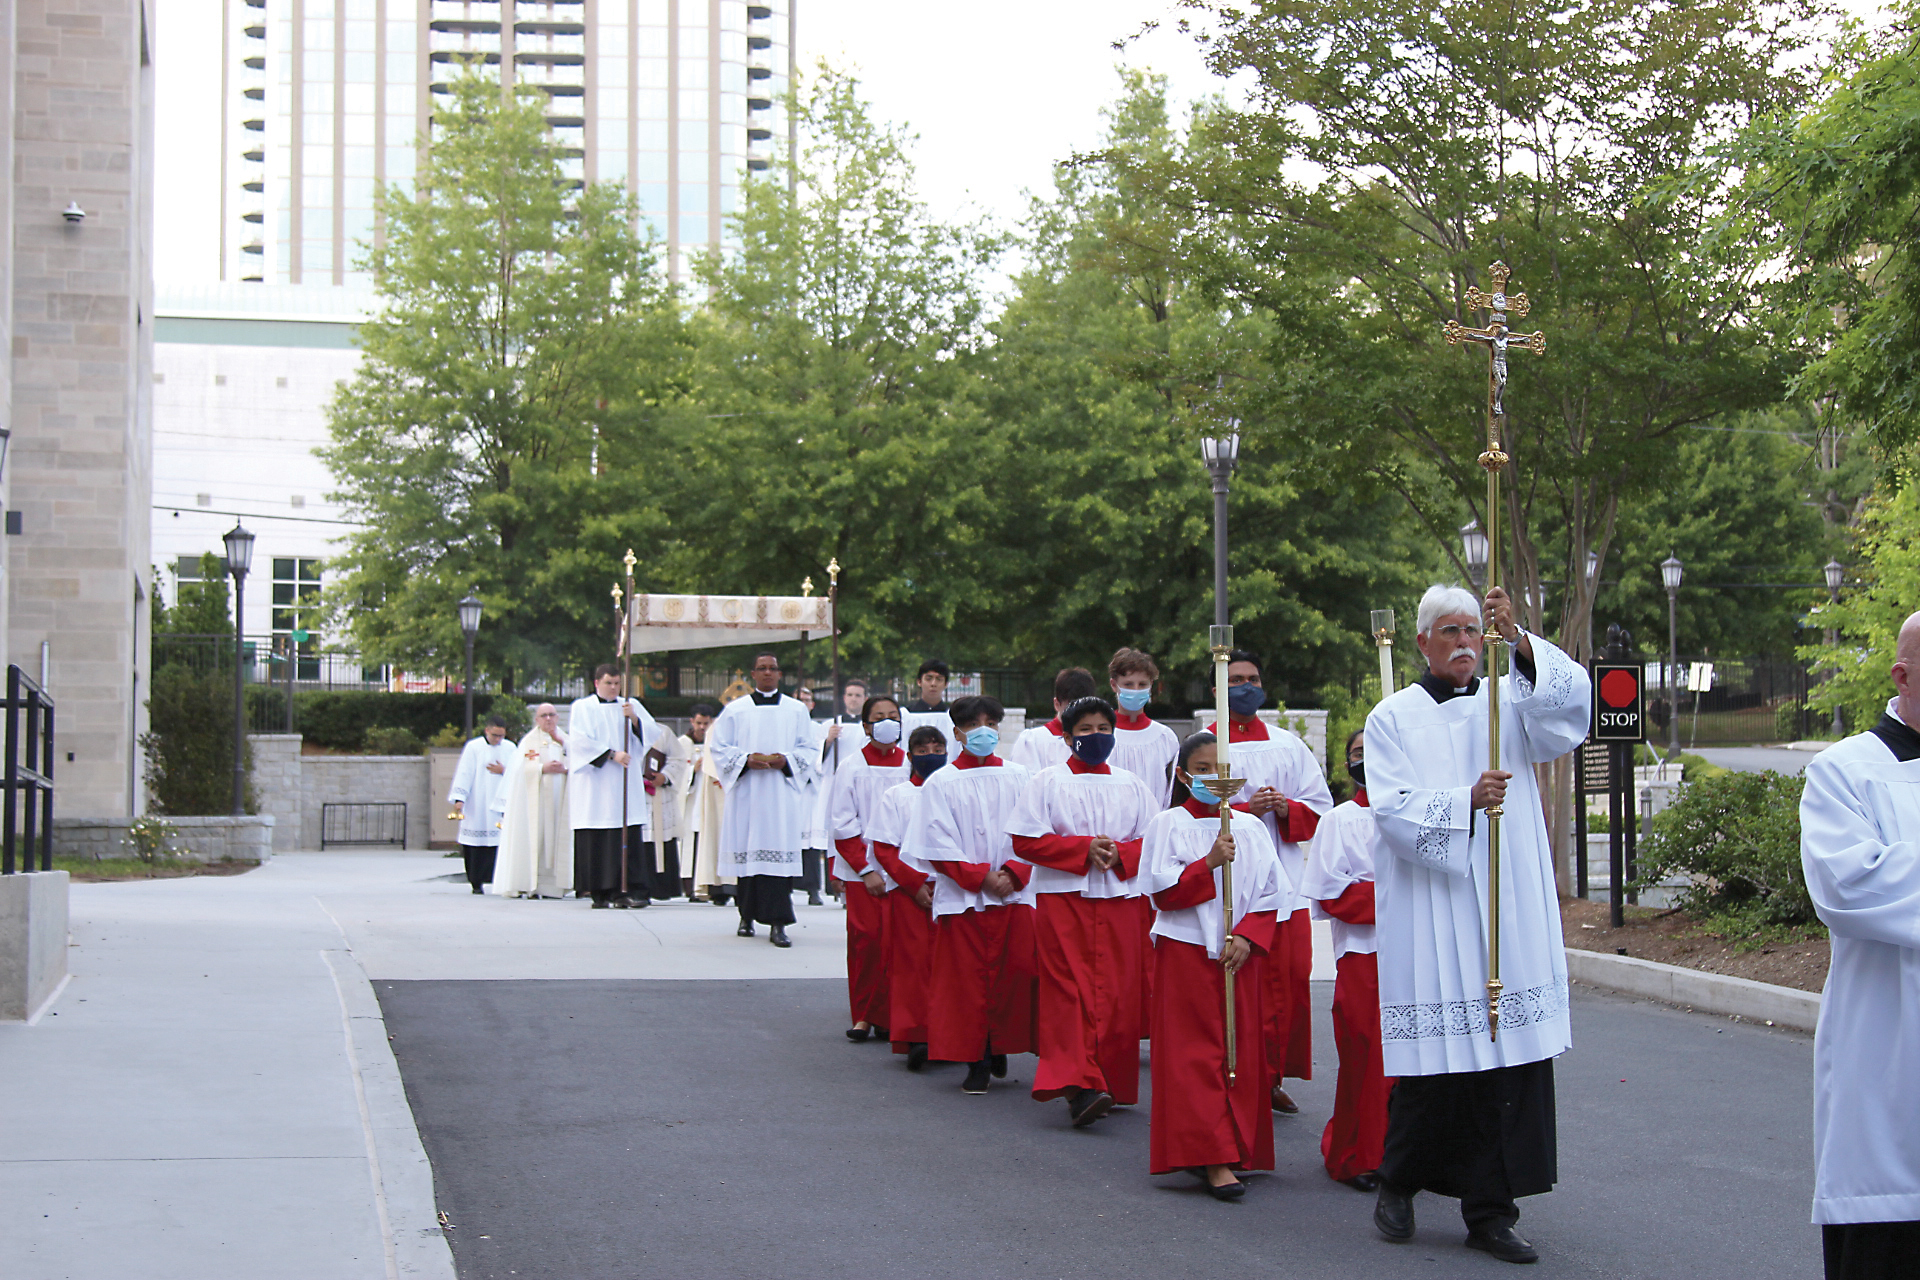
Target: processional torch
(1383, 640)
(626, 689)
(1498, 340)
(1225, 786)
(833, 630)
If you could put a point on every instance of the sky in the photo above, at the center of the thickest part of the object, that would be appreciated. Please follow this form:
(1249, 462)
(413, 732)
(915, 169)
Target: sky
(997, 90)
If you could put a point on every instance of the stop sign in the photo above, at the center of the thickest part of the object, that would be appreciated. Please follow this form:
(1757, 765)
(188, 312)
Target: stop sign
(1618, 713)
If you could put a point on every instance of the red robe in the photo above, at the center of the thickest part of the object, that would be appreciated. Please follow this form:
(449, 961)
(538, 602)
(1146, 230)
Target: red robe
(1355, 1138)
(909, 944)
(866, 918)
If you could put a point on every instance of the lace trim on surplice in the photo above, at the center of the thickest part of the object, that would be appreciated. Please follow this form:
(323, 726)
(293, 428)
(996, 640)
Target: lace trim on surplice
(1442, 1018)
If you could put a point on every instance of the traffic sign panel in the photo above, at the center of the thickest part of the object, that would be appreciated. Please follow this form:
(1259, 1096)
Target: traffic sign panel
(1619, 702)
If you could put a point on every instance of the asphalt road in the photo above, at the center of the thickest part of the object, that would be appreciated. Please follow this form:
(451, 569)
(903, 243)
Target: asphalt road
(605, 1130)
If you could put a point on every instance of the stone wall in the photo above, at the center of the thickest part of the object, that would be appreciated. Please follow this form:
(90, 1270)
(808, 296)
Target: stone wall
(249, 838)
(363, 780)
(277, 785)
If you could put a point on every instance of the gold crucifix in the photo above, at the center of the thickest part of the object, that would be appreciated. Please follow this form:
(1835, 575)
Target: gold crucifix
(1497, 339)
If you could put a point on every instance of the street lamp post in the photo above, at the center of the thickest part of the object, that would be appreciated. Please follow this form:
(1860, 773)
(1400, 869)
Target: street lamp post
(1670, 570)
(1221, 456)
(1473, 545)
(469, 607)
(1835, 571)
(239, 557)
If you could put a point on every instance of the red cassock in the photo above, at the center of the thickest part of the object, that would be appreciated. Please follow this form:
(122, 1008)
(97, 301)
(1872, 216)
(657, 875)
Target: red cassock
(909, 943)
(1355, 1138)
(981, 997)
(1198, 1118)
(859, 792)
(1290, 999)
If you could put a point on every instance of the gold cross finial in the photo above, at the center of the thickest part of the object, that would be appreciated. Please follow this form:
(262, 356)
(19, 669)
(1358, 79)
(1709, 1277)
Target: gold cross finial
(833, 572)
(629, 560)
(806, 588)
(617, 593)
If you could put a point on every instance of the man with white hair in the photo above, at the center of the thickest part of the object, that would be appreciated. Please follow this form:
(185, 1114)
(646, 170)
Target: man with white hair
(1471, 1116)
(1859, 823)
(530, 809)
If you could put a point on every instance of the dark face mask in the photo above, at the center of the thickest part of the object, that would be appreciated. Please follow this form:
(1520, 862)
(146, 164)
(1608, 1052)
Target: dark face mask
(1357, 770)
(1245, 699)
(925, 766)
(1092, 748)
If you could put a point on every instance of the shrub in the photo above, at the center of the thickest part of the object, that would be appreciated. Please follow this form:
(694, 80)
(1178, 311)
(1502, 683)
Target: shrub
(388, 740)
(189, 742)
(1736, 838)
(340, 719)
(151, 839)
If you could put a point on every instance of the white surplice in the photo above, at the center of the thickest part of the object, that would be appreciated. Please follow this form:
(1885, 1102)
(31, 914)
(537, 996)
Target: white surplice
(962, 817)
(1285, 763)
(1341, 856)
(1860, 847)
(895, 816)
(834, 756)
(1149, 753)
(941, 720)
(767, 809)
(1060, 801)
(1176, 839)
(536, 839)
(475, 785)
(857, 791)
(1039, 747)
(665, 812)
(1430, 896)
(595, 728)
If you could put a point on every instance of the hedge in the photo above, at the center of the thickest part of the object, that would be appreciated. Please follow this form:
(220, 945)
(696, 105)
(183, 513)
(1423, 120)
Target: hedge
(340, 720)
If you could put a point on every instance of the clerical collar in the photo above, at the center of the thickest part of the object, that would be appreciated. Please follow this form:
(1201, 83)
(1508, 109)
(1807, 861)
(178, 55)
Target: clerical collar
(606, 699)
(765, 699)
(1898, 736)
(1443, 691)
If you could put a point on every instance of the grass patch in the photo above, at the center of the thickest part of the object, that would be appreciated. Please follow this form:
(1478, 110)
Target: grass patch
(94, 870)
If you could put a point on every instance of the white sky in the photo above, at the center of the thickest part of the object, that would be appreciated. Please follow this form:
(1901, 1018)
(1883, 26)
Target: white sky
(996, 89)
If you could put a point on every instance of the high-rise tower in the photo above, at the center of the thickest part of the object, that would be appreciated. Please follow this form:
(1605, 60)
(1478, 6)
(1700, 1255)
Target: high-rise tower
(325, 101)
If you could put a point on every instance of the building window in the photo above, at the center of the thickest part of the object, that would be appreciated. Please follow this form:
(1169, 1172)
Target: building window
(296, 607)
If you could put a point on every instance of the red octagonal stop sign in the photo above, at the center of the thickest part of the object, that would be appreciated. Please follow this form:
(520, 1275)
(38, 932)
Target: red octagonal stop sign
(1619, 688)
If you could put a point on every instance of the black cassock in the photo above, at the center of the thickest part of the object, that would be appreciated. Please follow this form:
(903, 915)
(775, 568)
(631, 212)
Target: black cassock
(1485, 1137)
(596, 862)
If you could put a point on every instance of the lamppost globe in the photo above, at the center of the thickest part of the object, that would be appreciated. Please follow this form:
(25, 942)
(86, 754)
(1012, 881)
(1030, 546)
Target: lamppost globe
(470, 615)
(1835, 572)
(239, 542)
(1222, 455)
(1670, 571)
(1473, 547)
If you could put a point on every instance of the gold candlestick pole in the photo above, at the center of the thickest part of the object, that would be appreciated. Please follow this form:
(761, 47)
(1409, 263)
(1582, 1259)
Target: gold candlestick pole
(1382, 620)
(1224, 785)
(1497, 339)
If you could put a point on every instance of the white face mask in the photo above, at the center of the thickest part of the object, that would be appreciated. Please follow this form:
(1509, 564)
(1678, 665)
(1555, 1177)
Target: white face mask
(884, 732)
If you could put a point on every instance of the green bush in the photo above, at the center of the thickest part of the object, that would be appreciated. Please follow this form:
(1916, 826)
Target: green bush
(189, 742)
(340, 720)
(1736, 837)
(389, 740)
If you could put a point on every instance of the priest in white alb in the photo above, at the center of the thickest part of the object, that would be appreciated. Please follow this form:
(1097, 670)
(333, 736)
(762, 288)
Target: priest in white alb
(764, 750)
(530, 808)
(608, 737)
(1471, 1117)
(483, 763)
(1860, 848)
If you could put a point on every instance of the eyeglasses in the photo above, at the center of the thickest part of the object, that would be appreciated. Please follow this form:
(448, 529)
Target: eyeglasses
(1454, 631)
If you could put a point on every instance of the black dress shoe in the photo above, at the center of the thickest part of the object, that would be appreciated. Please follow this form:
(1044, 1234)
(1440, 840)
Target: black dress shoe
(1227, 1191)
(999, 1065)
(599, 904)
(1089, 1105)
(879, 1033)
(916, 1055)
(1368, 1182)
(1503, 1243)
(777, 935)
(815, 900)
(859, 1034)
(478, 889)
(744, 931)
(977, 1077)
(1393, 1214)
(637, 903)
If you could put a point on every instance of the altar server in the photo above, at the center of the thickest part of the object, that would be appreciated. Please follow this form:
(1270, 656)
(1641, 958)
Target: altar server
(857, 792)
(1079, 826)
(530, 808)
(1042, 746)
(1340, 885)
(816, 807)
(909, 927)
(1288, 792)
(1470, 1117)
(980, 1002)
(668, 769)
(608, 736)
(1200, 1120)
(476, 780)
(706, 800)
(1142, 746)
(764, 751)
(1860, 846)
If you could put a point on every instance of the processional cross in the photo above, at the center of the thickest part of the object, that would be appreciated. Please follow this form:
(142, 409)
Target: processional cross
(1498, 340)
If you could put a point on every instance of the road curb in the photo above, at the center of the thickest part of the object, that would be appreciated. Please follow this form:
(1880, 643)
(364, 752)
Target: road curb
(1705, 992)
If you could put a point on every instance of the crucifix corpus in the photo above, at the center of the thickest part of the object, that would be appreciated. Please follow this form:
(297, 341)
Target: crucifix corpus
(1498, 340)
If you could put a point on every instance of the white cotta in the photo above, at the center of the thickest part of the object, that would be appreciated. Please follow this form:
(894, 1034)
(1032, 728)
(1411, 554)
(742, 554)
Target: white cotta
(593, 793)
(834, 756)
(1430, 896)
(1340, 857)
(962, 817)
(666, 815)
(1860, 847)
(1038, 747)
(816, 793)
(894, 816)
(536, 839)
(1176, 839)
(857, 792)
(911, 720)
(475, 785)
(767, 809)
(1062, 802)
(1285, 763)
(1148, 754)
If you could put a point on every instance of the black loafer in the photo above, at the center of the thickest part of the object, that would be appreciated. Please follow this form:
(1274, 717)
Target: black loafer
(1227, 1191)
(1393, 1214)
(1089, 1105)
(744, 931)
(976, 1081)
(879, 1033)
(1503, 1243)
(916, 1055)
(599, 905)
(1368, 1182)
(859, 1034)
(999, 1066)
(778, 936)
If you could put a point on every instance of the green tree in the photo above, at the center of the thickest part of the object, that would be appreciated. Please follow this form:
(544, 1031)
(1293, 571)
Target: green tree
(1885, 590)
(188, 745)
(490, 435)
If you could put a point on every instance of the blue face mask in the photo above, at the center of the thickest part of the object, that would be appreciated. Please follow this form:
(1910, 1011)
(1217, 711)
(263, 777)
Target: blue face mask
(1245, 699)
(1092, 748)
(982, 740)
(1198, 786)
(925, 766)
(1132, 701)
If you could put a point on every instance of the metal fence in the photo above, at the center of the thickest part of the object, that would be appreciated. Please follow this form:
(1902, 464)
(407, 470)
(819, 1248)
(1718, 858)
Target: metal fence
(1749, 700)
(26, 813)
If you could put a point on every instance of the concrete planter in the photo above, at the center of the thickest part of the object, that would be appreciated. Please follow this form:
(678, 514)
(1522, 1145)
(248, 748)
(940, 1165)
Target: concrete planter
(212, 839)
(33, 942)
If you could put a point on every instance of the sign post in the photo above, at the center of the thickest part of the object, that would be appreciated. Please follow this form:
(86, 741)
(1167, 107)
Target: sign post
(1620, 720)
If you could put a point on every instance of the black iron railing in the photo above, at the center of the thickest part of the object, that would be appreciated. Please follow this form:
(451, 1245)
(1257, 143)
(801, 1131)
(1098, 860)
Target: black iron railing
(26, 813)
